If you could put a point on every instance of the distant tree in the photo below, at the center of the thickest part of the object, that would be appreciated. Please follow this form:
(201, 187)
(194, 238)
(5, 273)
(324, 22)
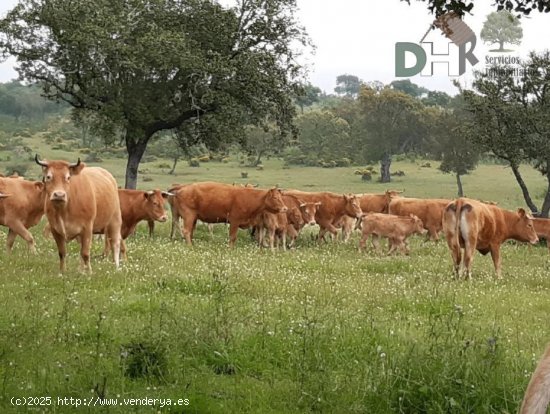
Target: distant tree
(152, 65)
(347, 85)
(389, 123)
(436, 98)
(308, 96)
(323, 135)
(406, 86)
(502, 27)
(260, 141)
(522, 7)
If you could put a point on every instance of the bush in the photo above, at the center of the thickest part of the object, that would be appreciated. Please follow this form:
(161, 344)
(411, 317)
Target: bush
(147, 179)
(398, 173)
(260, 167)
(204, 158)
(426, 165)
(143, 360)
(343, 162)
(194, 162)
(93, 157)
(366, 176)
(163, 165)
(19, 168)
(244, 174)
(225, 160)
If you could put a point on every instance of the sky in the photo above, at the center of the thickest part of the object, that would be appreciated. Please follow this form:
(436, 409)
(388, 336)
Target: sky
(358, 37)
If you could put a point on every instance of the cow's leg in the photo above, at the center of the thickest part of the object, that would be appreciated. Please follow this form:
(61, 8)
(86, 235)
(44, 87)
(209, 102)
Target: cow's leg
(85, 247)
(375, 238)
(393, 244)
(107, 248)
(433, 233)
(363, 241)
(272, 239)
(210, 229)
(233, 229)
(547, 244)
(495, 255)
(151, 226)
(117, 244)
(17, 228)
(283, 239)
(61, 249)
(454, 247)
(189, 223)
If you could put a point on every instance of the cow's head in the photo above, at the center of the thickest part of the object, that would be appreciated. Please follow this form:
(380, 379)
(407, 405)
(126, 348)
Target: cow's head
(154, 204)
(274, 201)
(295, 217)
(353, 209)
(308, 211)
(418, 226)
(524, 229)
(57, 178)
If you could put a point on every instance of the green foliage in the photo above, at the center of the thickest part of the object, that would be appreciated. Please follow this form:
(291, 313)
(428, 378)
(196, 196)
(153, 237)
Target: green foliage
(406, 86)
(194, 162)
(347, 85)
(461, 7)
(502, 27)
(307, 96)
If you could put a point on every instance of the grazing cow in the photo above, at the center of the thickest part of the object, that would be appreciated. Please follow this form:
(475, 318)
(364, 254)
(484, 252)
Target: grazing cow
(135, 206)
(471, 224)
(81, 201)
(542, 227)
(331, 209)
(537, 394)
(396, 228)
(430, 211)
(377, 203)
(21, 207)
(213, 202)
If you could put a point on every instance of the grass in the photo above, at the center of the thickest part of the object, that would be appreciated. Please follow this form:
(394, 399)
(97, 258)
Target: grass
(321, 328)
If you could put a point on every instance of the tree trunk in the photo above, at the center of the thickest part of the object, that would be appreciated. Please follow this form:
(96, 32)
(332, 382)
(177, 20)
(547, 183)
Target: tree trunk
(524, 190)
(385, 163)
(136, 149)
(258, 161)
(176, 158)
(501, 43)
(459, 185)
(546, 203)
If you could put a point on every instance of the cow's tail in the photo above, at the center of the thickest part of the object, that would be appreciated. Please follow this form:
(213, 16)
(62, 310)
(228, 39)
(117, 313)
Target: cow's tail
(456, 208)
(537, 395)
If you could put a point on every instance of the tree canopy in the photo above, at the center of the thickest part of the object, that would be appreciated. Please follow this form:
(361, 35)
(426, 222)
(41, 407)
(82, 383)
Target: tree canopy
(502, 27)
(150, 65)
(521, 7)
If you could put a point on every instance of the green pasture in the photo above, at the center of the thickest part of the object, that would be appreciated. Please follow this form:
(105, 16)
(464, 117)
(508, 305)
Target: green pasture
(321, 328)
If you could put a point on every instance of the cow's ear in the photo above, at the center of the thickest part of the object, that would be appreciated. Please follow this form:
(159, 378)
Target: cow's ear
(166, 194)
(39, 185)
(76, 169)
(318, 203)
(148, 194)
(522, 212)
(3, 195)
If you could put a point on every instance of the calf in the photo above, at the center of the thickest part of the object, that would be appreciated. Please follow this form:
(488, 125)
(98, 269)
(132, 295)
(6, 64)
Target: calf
(21, 207)
(81, 200)
(471, 225)
(430, 211)
(542, 228)
(396, 228)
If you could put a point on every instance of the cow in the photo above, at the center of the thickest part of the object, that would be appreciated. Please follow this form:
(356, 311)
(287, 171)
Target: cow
(471, 224)
(79, 201)
(21, 207)
(289, 224)
(430, 211)
(542, 227)
(396, 228)
(135, 206)
(537, 394)
(213, 202)
(331, 209)
(377, 203)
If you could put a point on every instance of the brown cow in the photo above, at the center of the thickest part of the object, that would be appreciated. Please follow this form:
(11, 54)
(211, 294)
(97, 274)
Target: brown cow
(542, 227)
(537, 394)
(377, 203)
(430, 211)
(135, 206)
(81, 200)
(289, 224)
(396, 228)
(471, 224)
(21, 207)
(213, 202)
(331, 209)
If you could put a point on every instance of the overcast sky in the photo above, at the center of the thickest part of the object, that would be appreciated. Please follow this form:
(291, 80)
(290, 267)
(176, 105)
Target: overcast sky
(358, 37)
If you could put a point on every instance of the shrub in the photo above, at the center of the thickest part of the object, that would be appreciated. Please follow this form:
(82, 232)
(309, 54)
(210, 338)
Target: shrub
(143, 360)
(398, 173)
(244, 174)
(19, 168)
(225, 160)
(93, 157)
(343, 162)
(426, 165)
(194, 162)
(147, 179)
(366, 176)
(163, 165)
(259, 167)
(204, 158)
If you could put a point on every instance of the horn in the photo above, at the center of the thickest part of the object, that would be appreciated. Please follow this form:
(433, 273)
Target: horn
(168, 194)
(75, 164)
(42, 163)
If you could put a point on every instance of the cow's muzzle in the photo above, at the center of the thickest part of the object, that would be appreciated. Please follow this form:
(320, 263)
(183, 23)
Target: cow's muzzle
(59, 196)
(162, 219)
(535, 240)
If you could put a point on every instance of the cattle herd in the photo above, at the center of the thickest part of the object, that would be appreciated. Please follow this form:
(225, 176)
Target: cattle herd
(80, 201)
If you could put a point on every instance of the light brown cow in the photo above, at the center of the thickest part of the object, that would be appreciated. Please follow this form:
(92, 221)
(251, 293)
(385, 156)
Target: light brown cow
(471, 224)
(280, 225)
(377, 203)
(542, 227)
(135, 206)
(430, 211)
(395, 228)
(537, 394)
(81, 200)
(213, 202)
(331, 209)
(21, 207)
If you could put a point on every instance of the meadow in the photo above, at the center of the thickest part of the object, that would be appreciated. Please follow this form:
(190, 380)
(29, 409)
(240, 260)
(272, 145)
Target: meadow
(320, 328)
